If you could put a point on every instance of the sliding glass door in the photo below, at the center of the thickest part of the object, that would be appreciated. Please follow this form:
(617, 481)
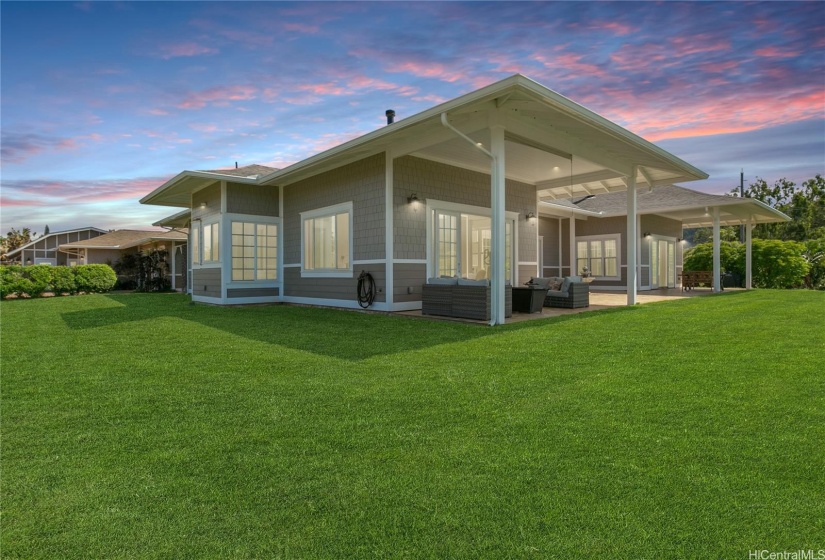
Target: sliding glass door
(463, 245)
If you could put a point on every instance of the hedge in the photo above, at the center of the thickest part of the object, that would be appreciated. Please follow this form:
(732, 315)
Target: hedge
(776, 264)
(35, 280)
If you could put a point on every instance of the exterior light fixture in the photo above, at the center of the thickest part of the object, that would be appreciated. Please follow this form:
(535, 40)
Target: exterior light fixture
(679, 240)
(28, 261)
(530, 217)
(413, 198)
(203, 205)
(646, 235)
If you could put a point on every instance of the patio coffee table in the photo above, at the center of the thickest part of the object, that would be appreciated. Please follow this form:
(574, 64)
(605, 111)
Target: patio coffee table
(528, 299)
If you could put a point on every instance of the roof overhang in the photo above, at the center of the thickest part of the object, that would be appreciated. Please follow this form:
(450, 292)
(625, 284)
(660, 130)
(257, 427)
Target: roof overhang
(732, 211)
(543, 129)
(178, 190)
(555, 210)
(42, 237)
(178, 220)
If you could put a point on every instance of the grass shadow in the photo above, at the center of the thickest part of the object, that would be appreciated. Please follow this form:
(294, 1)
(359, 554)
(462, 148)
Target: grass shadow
(343, 334)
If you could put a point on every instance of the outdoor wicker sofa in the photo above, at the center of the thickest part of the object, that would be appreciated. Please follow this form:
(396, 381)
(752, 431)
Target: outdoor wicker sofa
(461, 298)
(572, 293)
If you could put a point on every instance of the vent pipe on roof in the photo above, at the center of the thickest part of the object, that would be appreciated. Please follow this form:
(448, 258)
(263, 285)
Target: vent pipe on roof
(390, 116)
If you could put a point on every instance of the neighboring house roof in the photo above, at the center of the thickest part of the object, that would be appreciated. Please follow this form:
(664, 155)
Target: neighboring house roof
(125, 239)
(52, 234)
(692, 208)
(551, 142)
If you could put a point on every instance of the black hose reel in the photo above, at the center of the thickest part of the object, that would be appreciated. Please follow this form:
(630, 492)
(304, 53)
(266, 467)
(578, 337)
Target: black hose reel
(366, 289)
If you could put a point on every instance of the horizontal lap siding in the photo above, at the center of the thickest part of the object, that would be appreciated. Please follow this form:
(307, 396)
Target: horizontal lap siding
(255, 200)
(103, 256)
(251, 292)
(206, 282)
(408, 277)
(333, 288)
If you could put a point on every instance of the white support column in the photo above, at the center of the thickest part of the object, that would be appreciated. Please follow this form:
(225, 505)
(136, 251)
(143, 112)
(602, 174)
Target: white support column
(717, 266)
(389, 230)
(573, 253)
(561, 252)
(497, 257)
(639, 253)
(749, 253)
(171, 256)
(632, 237)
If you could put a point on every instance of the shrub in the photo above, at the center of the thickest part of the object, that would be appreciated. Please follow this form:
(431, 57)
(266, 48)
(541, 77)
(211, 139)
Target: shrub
(94, 278)
(9, 279)
(731, 257)
(63, 279)
(779, 264)
(41, 278)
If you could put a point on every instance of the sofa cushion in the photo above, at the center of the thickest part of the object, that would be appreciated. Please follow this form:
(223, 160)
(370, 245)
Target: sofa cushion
(557, 293)
(543, 282)
(451, 281)
(556, 284)
(565, 287)
(468, 282)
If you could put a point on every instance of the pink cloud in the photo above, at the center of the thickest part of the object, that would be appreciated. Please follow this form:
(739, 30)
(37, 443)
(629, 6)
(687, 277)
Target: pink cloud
(44, 192)
(616, 27)
(176, 50)
(17, 148)
(572, 63)
(218, 96)
(775, 52)
(719, 67)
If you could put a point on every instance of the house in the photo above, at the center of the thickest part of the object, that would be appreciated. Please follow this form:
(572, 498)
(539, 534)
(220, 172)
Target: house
(110, 247)
(465, 188)
(598, 223)
(45, 249)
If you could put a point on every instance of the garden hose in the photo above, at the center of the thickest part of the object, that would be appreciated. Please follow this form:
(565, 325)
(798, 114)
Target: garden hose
(366, 289)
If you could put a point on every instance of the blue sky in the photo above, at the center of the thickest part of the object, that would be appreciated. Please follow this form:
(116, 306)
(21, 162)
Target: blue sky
(104, 101)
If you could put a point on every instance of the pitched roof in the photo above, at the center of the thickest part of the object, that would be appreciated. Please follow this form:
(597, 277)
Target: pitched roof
(125, 238)
(539, 123)
(245, 171)
(52, 233)
(692, 208)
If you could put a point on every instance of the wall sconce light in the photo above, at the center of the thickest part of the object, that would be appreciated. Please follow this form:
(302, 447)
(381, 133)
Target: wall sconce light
(530, 217)
(679, 240)
(28, 261)
(707, 213)
(413, 198)
(203, 205)
(646, 235)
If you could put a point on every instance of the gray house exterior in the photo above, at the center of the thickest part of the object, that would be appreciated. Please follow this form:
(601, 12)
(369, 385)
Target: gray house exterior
(497, 184)
(46, 249)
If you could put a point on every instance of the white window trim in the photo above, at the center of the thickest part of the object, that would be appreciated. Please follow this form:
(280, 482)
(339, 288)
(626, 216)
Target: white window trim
(322, 213)
(432, 206)
(195, 232)
(263, 220)
(618, 238)
(217, 261)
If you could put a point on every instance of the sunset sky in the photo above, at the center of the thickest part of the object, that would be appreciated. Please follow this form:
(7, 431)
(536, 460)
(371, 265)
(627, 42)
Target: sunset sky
(104, 101)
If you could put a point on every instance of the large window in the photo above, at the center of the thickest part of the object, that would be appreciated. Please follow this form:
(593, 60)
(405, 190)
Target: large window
(600, 255)
(463, 245)
(211, 242)
(254, 251)
(195, 234)
(327, 240)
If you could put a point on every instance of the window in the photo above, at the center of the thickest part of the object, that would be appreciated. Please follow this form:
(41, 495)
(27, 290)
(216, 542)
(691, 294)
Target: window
(463, 245)
(196, 243)
(211, 242)
(600, 255)
(327, 240)
(254, 251)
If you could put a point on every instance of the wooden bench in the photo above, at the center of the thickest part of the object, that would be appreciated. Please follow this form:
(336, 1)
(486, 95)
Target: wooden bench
(693, 278)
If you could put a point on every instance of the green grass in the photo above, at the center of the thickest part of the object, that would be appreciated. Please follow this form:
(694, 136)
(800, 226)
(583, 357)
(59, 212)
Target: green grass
(140, 426)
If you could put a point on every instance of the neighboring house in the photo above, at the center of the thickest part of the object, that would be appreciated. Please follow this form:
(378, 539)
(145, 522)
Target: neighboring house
(109, 248)
(599, 224)
(45, 249)
(454, 190)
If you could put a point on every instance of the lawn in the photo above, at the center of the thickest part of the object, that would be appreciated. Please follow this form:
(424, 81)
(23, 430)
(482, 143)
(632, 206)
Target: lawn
(141, 426)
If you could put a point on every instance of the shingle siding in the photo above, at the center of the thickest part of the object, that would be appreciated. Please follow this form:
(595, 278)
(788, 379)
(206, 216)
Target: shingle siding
(333, 288)
(256, 200)
(206, 282)
(211, 195)
(361, 183)
(432, 180)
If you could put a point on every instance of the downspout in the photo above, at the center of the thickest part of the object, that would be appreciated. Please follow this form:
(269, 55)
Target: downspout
(494, 287)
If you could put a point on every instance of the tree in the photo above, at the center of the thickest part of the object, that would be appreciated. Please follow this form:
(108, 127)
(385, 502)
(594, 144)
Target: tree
(15, 239)
(805, 206)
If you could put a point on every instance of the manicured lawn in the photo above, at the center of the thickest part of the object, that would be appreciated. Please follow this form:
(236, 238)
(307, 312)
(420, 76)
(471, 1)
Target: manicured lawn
(140, 426)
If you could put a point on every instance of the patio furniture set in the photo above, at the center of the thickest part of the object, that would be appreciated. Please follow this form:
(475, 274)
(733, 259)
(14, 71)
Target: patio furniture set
(470, 299)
